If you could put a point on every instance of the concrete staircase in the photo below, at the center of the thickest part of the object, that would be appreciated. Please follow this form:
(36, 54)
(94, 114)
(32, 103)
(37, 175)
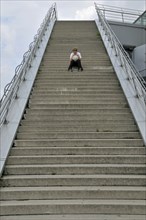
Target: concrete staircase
(78, 153)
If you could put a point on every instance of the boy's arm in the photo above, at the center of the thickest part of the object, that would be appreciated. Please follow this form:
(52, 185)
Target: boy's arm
(71, 56)
(79, 55)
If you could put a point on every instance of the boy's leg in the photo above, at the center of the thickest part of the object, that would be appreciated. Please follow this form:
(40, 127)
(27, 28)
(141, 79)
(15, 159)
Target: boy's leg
(79, 64)
(71, 65)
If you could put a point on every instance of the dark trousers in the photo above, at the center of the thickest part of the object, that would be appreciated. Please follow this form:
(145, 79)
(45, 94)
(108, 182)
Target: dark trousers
(75, 64)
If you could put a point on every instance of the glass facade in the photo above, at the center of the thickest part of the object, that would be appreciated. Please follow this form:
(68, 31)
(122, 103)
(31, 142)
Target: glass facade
(141, 20)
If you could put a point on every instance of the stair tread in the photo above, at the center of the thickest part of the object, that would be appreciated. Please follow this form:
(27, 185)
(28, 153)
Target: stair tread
(78, 156)
(74, 217)
(75, 188)
(72, 202)
(77, 165)
(107, 176)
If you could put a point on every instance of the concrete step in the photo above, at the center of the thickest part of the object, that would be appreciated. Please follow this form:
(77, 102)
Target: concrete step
(67, 32)
(71, 80)
(61, 61)
(83, 46)
(73, 206)
(78, 128)
(74, 92)
(68, 46)
(91, 111)
(85, 75)
(76, 159)
(80, 122)
(87, 59)
(74, 217)
(91, 54)
(93, 71)
(86, 117)
(72, 180)
(76, 88)
(72, 169)
(37, 151)
(78, 39)
(72, 192)
(60, 39)
(64, 35)
(90, 70)
(74, 75)
(67, 52)
(86, 97)
(77, 96)
(66, 49)
(80, 106)
(74, 78)
(81, 135)
(79, 101)
(65, 63)
(83, 49)
(77, 76)
(80, 143)
(101, 67)
(78, 83)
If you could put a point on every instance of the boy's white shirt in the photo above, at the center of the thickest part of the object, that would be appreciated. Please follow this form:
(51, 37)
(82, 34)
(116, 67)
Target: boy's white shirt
(78, 53)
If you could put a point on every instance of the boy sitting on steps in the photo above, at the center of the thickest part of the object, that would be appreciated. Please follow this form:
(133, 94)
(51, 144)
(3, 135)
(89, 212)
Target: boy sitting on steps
(75, 60)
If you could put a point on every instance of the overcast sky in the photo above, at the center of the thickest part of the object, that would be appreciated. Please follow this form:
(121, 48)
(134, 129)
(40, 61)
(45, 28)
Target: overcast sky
(21, 19)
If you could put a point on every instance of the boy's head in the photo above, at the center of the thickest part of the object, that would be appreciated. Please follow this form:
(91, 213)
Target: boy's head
(74, 50)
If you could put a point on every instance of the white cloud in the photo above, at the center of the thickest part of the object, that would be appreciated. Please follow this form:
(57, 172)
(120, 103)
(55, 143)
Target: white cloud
(86, 13)
(8, 36)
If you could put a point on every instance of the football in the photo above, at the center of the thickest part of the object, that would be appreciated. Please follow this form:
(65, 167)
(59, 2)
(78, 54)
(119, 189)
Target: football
(75, 58)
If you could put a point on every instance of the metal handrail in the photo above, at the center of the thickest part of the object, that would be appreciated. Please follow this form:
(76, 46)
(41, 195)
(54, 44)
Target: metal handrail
(142, 70)
(133, 75)
(11, 89)
(119, 14)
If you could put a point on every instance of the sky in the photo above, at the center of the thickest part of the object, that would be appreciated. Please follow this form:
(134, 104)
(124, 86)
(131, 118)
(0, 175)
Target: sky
(20, 21)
